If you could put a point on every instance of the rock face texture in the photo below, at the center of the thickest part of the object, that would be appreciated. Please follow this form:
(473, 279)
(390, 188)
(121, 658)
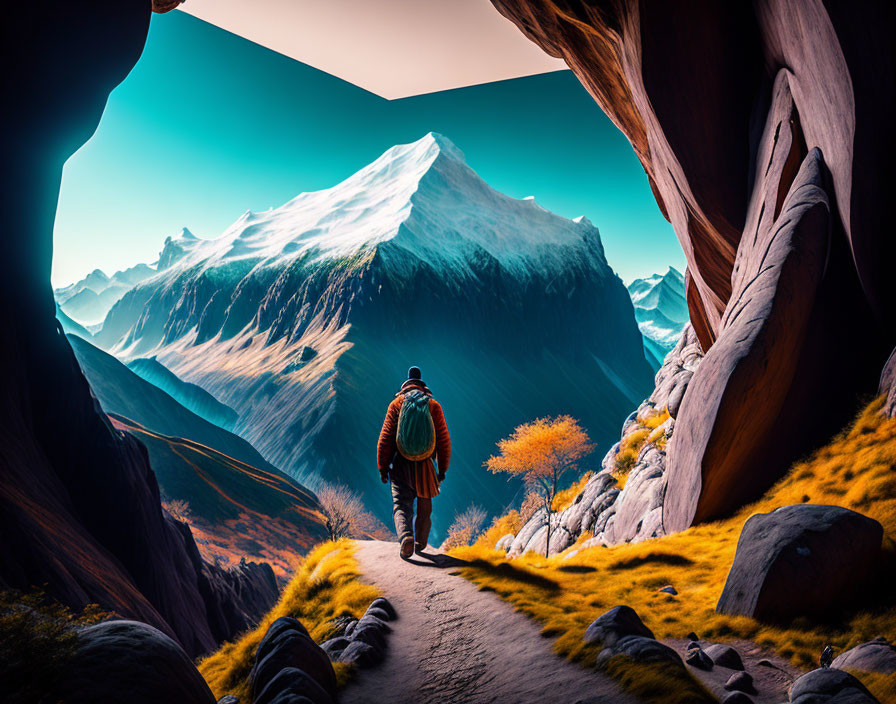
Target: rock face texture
(800, 560)
(79, 503)
(763, 130)
(634, 512)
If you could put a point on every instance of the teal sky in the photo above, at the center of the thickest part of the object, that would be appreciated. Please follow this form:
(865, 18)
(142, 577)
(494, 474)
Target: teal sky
(209, 125)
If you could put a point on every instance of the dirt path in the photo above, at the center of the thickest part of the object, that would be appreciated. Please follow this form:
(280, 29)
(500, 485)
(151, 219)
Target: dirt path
(453, 643)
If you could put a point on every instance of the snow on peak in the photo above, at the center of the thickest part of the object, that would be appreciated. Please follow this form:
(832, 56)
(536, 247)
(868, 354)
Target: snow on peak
(420, 197)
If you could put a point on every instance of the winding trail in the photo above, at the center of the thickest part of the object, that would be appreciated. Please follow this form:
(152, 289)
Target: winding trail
(453, 643)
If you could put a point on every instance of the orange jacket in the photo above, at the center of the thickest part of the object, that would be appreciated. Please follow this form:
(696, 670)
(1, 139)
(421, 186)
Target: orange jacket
(421, 476)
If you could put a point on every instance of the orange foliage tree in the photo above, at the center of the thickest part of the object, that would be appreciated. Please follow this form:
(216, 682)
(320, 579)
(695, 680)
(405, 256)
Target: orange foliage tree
(542, 452)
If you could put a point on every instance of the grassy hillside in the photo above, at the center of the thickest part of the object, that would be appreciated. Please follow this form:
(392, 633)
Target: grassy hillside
(238, 504)
(856, 470)
(234, 509)
(326, 586)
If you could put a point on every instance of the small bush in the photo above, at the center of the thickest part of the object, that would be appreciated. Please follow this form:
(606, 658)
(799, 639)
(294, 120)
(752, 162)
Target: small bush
(38, 638)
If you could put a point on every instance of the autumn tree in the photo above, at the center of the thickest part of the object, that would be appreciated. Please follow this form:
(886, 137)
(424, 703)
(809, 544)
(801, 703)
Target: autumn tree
(542, 453)
(466, 527)
(344, 514)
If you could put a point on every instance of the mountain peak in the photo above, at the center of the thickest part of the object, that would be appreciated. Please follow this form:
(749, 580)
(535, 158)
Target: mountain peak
(443, 144)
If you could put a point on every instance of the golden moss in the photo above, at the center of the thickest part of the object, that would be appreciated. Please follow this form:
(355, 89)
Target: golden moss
(326, 585)
(569, 594)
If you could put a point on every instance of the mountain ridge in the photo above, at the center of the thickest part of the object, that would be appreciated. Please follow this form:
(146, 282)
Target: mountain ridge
(309, 344)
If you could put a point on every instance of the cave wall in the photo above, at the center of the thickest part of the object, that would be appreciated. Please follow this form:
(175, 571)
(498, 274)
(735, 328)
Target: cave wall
(80, 512)
(724, 104)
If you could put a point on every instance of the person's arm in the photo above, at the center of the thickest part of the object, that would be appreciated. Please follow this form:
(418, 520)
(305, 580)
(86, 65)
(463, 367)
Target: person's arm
(385, 448)
(443, 439)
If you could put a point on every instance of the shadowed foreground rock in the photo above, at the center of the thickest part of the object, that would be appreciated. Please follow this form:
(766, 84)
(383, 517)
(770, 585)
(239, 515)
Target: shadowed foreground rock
(800, 560)
(289, 662)
(129, 661)
(80, 510)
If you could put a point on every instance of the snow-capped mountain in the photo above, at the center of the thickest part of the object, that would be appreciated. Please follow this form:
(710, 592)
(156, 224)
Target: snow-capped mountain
(305, 318)
(661, 310)
(90, 299)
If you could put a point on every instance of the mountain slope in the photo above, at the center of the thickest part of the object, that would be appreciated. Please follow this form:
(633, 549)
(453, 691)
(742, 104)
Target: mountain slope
(305, 318)
(190, 396)
(661, 311)
(237, 500)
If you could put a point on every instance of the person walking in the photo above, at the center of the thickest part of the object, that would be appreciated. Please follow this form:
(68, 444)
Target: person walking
(414, 435)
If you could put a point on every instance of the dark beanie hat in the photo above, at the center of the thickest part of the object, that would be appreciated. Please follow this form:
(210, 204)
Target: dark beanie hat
(414, 373)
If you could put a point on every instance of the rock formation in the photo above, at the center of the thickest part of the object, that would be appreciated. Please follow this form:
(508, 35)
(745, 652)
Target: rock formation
(758, 125)
(79, 504)
(615, 514)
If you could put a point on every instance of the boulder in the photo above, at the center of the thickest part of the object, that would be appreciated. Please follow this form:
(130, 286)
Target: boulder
(361, 654)
(875, 656)
(385, 605)
(504, 542)
(724, 656)
(887, 386)
(615, 624)
(118, 660)
(288, 645)
(289, 683)
(640, 649)
(697, 657)
(334, 647)
(830, 685)
(800, 560)
(736, 698)
(741, 682)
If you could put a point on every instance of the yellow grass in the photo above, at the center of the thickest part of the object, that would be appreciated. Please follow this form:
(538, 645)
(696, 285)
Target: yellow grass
(647, 433)
(563, 499)
(326, 585)
(501, 526)
(856, 470)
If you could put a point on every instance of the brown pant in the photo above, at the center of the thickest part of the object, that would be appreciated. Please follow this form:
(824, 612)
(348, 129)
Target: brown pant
(403, 511)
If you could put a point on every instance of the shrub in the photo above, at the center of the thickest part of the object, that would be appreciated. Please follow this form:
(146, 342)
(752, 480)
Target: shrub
(466, 527)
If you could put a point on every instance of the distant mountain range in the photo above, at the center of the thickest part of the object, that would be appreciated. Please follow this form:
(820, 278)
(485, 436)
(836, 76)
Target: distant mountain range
(304, 319)
(90, 299)
(662, 312)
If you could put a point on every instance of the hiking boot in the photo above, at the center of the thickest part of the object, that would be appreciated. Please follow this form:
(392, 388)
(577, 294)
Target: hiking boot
(419, 548)
(407, 548)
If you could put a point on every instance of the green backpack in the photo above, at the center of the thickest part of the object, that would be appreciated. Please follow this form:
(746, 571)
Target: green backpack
(416, 435)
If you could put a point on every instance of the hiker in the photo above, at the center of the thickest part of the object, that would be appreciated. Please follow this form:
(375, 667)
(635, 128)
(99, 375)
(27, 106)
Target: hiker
(414, 433)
